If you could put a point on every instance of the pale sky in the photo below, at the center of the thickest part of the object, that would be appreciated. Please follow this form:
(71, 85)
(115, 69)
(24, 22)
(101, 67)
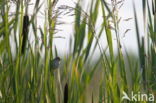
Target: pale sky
(125, 12)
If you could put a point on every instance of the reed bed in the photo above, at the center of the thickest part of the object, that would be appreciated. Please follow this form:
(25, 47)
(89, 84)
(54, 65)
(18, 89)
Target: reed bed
(25, 75)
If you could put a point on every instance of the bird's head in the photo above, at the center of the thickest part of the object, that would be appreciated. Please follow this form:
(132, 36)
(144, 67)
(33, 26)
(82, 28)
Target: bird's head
(58, 59)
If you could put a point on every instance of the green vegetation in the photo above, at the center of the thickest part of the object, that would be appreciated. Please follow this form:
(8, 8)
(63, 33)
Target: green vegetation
(25, 75)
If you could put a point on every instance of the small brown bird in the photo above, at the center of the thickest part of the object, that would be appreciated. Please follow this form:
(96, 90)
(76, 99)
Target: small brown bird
(55, 63)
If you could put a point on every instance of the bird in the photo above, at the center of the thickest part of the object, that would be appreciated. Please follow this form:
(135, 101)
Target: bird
(55, 63)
